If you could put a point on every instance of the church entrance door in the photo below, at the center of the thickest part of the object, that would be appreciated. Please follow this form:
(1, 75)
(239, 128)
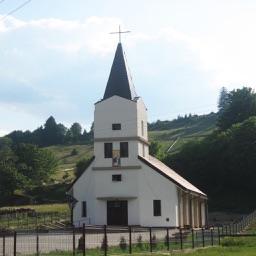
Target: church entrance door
(117, 213)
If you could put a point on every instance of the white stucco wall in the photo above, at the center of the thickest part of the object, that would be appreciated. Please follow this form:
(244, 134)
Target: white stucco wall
(154, 186)
(142, 116)
(115, 110)
(138, 186)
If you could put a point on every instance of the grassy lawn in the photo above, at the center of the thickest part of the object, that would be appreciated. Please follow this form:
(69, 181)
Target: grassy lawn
(214, 251)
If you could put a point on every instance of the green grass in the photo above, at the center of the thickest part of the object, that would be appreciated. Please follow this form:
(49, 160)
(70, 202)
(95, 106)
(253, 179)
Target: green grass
(66, 159)
(43, 208)
(213, 251)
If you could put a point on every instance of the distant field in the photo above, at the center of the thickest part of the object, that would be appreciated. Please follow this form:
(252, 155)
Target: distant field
(44, 208)
(68, 161)
(180, 132)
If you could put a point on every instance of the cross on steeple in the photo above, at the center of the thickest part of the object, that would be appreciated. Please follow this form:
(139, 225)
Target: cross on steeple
(120, 32)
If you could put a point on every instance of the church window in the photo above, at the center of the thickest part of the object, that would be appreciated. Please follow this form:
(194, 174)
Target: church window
(157, 207)
(108, 147)
(84, 209)
(124, 149)
(142, 128)
(116, 177)
(116, 126)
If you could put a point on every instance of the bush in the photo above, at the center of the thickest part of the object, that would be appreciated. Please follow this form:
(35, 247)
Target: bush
(139, 241)
(74, 152)
(232, 241)
(122, 244)
(154, 241)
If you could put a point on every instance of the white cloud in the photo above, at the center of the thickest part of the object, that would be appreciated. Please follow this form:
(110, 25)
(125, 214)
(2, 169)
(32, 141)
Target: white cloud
(10, 23)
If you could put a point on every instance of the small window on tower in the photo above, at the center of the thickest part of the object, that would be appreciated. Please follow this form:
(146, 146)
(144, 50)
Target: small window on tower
(116, 126)
(116, 177)
(108, 147)
(124, 151)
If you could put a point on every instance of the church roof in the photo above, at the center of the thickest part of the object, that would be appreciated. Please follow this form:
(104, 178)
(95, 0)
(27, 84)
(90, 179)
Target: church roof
(120, 81)
(171, 175)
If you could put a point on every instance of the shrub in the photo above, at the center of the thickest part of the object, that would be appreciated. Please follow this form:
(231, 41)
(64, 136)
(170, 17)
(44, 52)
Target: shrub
(231, 241)
(74, 152)
(139, 241)
(123, 244)
(154, 241)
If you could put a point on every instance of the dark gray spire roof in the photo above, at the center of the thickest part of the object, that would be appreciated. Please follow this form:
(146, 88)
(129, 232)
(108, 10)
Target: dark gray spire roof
(120, 81)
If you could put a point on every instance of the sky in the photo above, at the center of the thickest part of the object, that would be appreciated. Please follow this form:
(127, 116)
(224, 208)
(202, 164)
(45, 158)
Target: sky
(56, 56)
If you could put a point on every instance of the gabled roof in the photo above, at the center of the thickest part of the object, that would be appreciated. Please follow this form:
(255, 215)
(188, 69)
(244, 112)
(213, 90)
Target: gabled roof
(168, 173)
(120, 81)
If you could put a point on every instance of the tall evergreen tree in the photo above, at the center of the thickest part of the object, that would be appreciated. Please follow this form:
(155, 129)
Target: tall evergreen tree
(223, 99)
(240, 105)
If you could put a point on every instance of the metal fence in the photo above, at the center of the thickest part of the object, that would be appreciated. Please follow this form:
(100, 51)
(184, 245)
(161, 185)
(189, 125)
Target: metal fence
(107, 240)
(103, 240)
(27, 220)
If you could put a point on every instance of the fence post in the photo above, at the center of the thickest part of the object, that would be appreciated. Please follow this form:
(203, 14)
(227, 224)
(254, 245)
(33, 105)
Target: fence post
(212, 236)
(150, 239)
(203, 236)
(84, 239)
(130, 239)
(37, 241)
(193, 241)
(3, 241)
(15, 243)
(167, 239)
(74, 240)
(105, 240)
(219, 235)
(181, 242)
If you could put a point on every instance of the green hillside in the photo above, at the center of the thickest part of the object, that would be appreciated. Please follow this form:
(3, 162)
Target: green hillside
(173, 134)
(68, 156)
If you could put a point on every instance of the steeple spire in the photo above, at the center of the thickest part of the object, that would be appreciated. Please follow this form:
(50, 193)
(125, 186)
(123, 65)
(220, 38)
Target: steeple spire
(120, 81)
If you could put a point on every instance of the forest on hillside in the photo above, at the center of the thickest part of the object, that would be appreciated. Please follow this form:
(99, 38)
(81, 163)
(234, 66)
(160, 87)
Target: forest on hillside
(223, 164)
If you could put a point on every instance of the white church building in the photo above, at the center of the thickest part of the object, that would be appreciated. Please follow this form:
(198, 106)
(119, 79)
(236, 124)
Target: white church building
(123, 184)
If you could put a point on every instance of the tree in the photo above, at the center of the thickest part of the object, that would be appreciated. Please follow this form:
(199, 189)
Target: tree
(76, 132)
(81, 166)
(155, 149)
(223, 98)
(240, 105)
(50, 132)
(36, 164)
(10, 179)
(53, 133)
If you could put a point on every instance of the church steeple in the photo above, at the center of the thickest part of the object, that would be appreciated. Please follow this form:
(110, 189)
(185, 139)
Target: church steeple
(120, 81)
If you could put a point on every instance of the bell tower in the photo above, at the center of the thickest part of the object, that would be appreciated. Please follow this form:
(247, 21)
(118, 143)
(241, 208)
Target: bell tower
(120, 119)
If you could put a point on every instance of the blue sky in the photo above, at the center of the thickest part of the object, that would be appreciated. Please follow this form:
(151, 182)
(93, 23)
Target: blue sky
(56, 55)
